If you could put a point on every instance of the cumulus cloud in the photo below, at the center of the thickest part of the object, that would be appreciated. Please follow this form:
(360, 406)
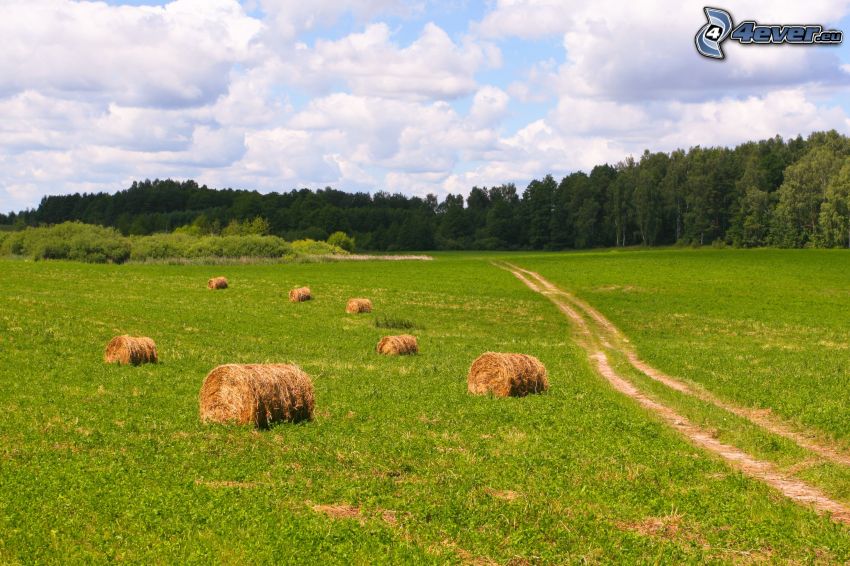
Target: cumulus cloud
(643, 51)
(337, 138)
(175, 55)
(287, 19)
(276, 94)
(728, 121)
(369, 63)
(489, 106)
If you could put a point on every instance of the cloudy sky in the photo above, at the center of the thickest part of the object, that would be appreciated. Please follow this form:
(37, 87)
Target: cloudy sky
(405, 96)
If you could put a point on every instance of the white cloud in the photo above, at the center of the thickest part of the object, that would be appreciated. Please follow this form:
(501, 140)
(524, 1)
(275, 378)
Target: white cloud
(489, 106)
(730, 121)
(173, 56)
(369, 63)
(94, 96)
(644, 51)
(528, 19)
(601, 117)
(286, 19)
(338, 137)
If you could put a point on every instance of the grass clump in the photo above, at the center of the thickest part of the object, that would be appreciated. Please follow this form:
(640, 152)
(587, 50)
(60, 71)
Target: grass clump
(390, 322)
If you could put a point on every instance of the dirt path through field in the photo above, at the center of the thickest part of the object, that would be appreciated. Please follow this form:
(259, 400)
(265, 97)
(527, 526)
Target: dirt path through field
(761, 418)
(594, 341)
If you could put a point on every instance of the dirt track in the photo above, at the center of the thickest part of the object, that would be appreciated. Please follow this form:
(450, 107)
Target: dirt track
(597, 335)
(762, 418)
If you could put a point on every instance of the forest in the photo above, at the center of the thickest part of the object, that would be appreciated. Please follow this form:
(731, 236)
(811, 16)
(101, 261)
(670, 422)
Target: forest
(774, 192)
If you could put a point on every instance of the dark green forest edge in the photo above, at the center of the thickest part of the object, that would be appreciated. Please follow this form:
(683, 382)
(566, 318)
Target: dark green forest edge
(793, 193)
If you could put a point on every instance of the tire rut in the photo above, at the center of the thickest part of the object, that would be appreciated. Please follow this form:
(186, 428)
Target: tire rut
(593, 343)
(760, 418)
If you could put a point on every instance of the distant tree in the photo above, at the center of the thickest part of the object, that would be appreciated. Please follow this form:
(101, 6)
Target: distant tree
(619, 209)
(773, 192)
(502, 225)
(539, 206)
(342, 240)
(454, 229)
(561, 217)
(835, 211)
(648, 203)
(258, 226)
(801, 196)
(600, 180)
(751, 224)
(673, 189)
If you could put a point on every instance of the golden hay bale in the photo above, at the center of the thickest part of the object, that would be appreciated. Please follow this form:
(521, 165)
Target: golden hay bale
(398, 345)
(503, 375)
(217, 283)
(300, 294)
(131, 350)
(356, 306)
(261, 394)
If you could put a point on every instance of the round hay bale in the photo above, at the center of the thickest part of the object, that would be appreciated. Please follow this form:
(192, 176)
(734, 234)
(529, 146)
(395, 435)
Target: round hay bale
(300, 294)
(398, 345)
(259, 394)
(356, 306)
(217, 283)
(131, 350)
(503, 375)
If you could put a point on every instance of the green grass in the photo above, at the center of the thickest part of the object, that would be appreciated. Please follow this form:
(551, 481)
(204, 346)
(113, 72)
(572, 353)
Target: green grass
(765, 328)
(396, 323)
(101, 463)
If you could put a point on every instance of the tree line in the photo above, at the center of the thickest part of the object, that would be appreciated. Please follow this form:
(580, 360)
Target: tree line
(774, 192)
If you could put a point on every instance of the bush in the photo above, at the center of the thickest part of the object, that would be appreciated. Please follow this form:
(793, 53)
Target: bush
(96, 244)
(69, 240)
(160, 246)
(258, 226)
(183, 245)
(312, 247)
(254, 246)
(342, 240)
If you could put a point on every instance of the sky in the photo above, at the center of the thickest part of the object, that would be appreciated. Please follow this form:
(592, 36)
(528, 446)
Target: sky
(404, 96)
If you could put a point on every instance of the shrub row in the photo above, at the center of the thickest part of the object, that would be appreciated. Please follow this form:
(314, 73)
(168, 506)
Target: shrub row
(96, 244)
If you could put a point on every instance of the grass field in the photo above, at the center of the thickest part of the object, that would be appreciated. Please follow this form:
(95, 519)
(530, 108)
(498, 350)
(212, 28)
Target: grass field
(768, 328)
(101, 463)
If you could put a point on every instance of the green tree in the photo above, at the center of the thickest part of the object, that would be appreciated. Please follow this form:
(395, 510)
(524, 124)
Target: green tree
(673, 191)
(752, 223)
(835, 211)
(342, 240)
(648, 202)
(537, 200)
(501, 224)
(619, 209)
(801, 196)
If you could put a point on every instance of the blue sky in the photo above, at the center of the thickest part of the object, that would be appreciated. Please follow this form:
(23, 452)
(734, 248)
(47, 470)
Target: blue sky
(407, 96)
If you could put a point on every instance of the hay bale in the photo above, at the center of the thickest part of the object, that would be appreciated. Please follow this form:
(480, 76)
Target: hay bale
(504, 375)
(398, 345)
(260, 394)
(131, 350)
(217, 283)
(300, 294)
(356, 306)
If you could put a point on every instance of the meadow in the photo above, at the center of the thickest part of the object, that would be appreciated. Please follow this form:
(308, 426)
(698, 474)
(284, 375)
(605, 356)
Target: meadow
(102, 463)
(767, 328)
